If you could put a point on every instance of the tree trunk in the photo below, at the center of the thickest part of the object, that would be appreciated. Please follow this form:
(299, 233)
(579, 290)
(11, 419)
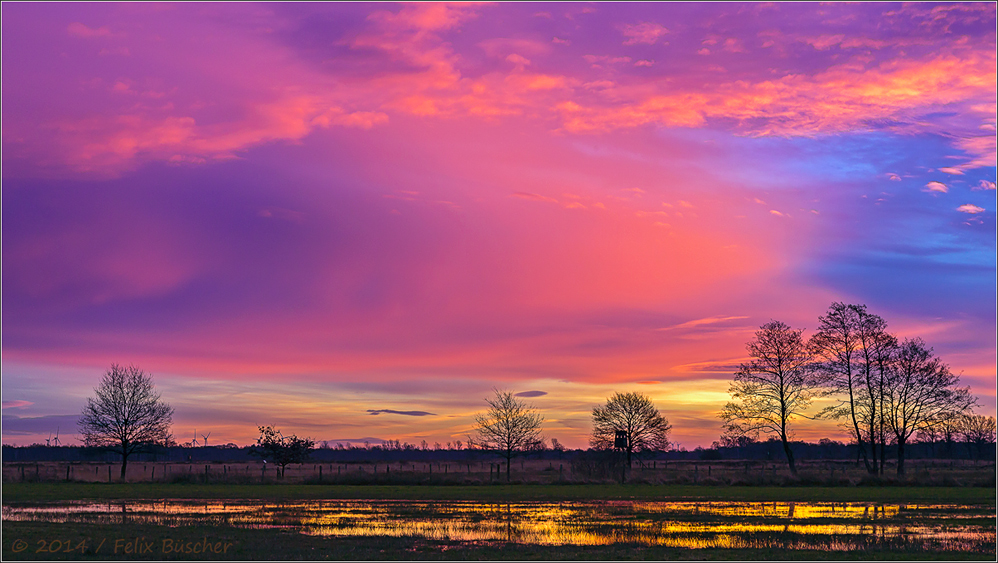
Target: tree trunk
(124, 464)
(900, 457)
(509, 462)
(873, 443)
(790, 455)
(855, 425)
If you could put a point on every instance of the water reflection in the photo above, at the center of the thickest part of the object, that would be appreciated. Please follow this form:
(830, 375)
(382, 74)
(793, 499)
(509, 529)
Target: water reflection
(697, 525)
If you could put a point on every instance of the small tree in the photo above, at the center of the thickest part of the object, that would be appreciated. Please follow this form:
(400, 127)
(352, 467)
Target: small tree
(636, 416)
(125, 415)
(509, 427)
(282, 450)
(773, 388)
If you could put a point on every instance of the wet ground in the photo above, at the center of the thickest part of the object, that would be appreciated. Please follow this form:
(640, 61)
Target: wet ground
(697, 525)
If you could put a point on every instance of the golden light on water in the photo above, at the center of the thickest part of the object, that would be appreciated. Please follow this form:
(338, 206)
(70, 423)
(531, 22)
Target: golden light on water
(694, 525)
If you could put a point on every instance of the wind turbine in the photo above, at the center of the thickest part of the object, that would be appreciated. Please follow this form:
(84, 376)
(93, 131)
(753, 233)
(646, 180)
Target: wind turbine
(49, 439)
(56, 440)
(205, 436)
(194, 442)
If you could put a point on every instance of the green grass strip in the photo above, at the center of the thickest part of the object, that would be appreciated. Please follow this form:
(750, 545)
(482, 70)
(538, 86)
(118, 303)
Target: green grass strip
(47, 492)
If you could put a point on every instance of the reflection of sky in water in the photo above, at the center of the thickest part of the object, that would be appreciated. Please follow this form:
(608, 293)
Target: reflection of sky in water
(830, 526)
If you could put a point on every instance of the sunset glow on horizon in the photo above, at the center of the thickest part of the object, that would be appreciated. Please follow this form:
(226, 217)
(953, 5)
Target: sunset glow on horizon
(353, 221)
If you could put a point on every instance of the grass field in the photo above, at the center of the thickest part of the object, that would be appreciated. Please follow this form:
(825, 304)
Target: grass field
(44, 492)
(840, 473)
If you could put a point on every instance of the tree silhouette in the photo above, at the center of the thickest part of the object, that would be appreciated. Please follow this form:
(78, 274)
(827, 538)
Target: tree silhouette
(636, 416)
(922, 392)
(774, 387)
(509, 427)
(837, 345)
(877, 351)
(125, 415)
(282, 450)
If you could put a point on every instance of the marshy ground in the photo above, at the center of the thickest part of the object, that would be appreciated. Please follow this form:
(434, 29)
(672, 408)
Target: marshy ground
(569, 521)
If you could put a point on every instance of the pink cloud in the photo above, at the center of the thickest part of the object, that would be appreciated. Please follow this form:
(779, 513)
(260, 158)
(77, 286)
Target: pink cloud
(272, 96)
(646, 33)
(427, 17)
(77, 29)
(16, 404)
(970, 208)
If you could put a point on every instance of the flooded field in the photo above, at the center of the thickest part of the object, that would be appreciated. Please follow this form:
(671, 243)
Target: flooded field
(695, 525)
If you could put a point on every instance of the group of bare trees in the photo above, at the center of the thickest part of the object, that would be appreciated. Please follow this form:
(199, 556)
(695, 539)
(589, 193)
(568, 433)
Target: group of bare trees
(628, 421)
(126, 415)
(884, 389)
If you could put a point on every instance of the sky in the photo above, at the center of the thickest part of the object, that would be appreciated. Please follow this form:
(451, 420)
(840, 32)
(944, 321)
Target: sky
(354, 221)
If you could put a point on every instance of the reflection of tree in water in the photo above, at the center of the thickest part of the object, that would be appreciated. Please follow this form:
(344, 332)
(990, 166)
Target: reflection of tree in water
(510, 523)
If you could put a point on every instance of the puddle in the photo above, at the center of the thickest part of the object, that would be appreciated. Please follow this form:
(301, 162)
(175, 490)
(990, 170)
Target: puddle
(696, 525)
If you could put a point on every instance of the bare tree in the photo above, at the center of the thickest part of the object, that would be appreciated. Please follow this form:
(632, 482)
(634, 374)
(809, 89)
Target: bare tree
(922, 393)
(636, 416)
(509, 427)
(837, 344)
(774, 387)
(877, 350)
(125, 415)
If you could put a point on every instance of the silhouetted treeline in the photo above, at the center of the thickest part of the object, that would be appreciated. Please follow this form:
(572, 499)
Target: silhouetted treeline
(763, 450)
(827, 449)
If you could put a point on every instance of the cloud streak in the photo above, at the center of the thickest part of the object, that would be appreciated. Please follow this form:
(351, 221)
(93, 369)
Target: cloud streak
(404, 413)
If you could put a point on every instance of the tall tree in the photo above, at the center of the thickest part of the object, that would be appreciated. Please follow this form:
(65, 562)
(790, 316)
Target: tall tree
(923, 392)
(876, 352)
(774, 387)
(837, 344)
(636, 416)
(509, 426)
(125, 414)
